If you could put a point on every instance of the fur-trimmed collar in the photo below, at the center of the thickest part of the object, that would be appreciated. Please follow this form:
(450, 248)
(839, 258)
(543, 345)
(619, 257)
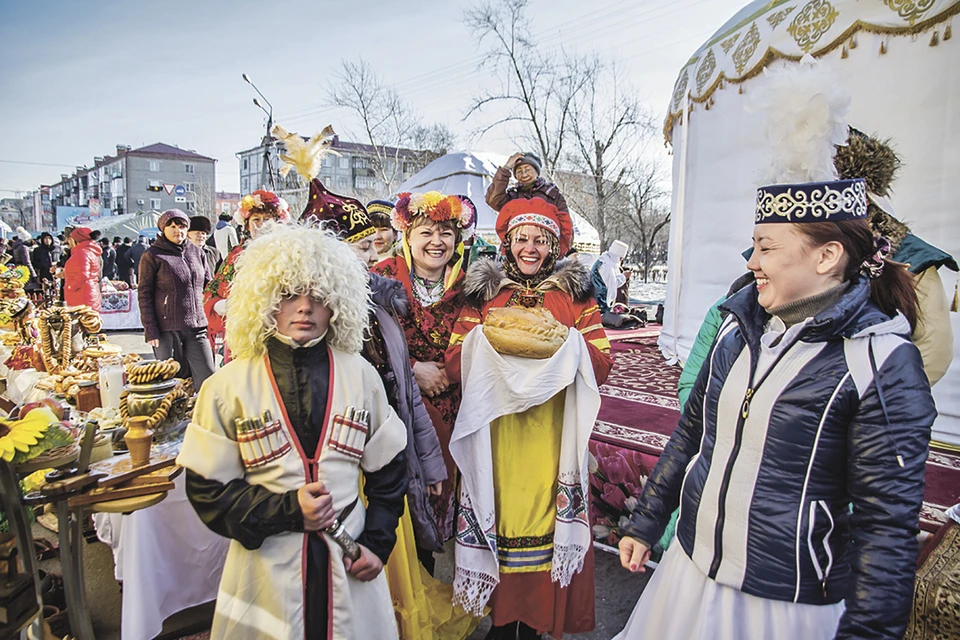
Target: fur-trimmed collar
(486, 278)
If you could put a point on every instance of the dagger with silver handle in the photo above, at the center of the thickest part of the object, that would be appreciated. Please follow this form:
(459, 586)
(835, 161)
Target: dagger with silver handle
(338, 532)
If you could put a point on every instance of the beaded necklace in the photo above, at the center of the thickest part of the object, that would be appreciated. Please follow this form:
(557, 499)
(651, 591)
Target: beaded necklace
(426, 292)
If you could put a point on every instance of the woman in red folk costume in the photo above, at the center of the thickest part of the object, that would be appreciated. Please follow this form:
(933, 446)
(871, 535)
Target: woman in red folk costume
(523, 537)
(254, 210)
(428, 266)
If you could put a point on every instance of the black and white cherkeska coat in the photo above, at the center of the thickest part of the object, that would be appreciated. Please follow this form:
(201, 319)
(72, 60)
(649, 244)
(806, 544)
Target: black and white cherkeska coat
(805, 485)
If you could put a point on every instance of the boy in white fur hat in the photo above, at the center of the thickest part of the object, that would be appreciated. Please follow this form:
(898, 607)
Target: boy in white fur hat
(278, 442)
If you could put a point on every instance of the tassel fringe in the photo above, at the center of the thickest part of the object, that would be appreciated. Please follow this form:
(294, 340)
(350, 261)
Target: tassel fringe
(935, 40)
(955, 307)
(843, 53)
(947, 32)
(883, 47)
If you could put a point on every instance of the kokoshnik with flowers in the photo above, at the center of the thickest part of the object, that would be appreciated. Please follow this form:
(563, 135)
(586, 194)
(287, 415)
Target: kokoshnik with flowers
(263, 202)
(439, 208)
(215, 294)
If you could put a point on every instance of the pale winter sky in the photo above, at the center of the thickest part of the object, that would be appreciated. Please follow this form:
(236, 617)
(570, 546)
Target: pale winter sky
(78, 78)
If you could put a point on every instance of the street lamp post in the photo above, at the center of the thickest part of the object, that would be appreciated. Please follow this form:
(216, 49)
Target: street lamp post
(266, 168)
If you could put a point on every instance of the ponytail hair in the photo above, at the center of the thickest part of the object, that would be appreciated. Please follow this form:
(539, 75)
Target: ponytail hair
(891, 285)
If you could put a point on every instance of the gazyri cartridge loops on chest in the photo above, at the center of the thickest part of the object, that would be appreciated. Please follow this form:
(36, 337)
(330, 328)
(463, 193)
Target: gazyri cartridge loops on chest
(261, 439)
(350, 431)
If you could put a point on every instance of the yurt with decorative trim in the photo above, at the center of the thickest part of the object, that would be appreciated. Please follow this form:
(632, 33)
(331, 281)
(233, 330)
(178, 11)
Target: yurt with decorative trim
(897, 59)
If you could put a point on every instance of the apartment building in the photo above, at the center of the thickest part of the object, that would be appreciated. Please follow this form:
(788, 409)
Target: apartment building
(152, 178)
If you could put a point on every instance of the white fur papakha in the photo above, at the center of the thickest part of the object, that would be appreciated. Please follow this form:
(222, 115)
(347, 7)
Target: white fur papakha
(289, 259)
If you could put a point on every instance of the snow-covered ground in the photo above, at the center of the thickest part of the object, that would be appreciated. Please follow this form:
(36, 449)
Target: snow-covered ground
(648, 293)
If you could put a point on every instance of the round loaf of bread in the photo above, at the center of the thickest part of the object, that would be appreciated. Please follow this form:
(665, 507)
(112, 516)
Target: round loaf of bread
(527, 333)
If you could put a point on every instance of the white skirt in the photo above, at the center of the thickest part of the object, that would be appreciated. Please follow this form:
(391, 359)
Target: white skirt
(681, 603)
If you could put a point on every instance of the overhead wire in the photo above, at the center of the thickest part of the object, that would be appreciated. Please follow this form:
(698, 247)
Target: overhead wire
(601, 24)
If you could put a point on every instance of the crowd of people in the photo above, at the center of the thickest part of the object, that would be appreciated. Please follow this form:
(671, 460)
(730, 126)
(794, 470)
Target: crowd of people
(391, 426)
(361, 418)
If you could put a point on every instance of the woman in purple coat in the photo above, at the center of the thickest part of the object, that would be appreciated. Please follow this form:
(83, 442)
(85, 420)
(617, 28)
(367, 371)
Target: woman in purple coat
(172, 276)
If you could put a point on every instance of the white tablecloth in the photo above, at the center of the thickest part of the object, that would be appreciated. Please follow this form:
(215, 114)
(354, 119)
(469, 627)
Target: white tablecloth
(167, 559)
(121, 311)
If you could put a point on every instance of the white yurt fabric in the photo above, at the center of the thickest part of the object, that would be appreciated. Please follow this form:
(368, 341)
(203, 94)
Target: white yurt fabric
(469, 174)
(899, 62)
(128, 224)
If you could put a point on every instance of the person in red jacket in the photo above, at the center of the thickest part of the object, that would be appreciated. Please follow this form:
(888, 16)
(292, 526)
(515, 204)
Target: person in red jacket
(81, 272)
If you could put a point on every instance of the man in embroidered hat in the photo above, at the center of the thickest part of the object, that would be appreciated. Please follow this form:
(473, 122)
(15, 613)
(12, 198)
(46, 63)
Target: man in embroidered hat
(346, 217)
(385, 240)
(809, 426)
(279, 440)
(539, 576)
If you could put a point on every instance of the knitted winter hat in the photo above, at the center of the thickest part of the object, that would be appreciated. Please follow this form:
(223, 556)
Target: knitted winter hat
(81, 234)
(169, 216)
(530, 159)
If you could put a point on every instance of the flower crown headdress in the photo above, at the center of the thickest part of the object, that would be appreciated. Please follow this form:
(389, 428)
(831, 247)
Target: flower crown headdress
(435, 206)
(262, 201)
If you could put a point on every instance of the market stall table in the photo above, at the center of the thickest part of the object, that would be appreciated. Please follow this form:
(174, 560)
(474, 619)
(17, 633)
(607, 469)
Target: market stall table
(120, 311)
(167, 559)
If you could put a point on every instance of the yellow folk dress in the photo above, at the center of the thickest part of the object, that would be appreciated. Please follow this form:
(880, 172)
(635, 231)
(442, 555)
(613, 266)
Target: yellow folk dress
(423, 605)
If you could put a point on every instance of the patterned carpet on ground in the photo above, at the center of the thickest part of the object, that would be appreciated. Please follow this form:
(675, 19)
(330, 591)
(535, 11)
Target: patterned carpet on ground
(640, 410)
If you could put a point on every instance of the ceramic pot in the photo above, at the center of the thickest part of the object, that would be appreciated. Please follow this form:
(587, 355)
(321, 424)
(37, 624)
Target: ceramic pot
(138, 439)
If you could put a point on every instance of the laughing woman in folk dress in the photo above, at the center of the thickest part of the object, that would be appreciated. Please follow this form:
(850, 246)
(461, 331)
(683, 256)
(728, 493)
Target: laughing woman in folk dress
(429, 267)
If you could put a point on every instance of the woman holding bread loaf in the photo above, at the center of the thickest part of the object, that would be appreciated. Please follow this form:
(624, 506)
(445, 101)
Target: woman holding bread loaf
(530, 381)
(428, 265)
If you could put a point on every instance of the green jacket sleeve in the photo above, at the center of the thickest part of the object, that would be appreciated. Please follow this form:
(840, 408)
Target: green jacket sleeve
(708, 331)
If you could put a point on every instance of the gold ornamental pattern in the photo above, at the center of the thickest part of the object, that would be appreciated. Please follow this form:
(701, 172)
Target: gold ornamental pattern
(910, 10)
(706, 70)
(774, 19)
(680, 89)
(748, 46)
(813, 21)
(729, 42)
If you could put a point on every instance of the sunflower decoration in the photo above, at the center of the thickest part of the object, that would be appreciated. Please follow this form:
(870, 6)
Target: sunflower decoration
(25, 439)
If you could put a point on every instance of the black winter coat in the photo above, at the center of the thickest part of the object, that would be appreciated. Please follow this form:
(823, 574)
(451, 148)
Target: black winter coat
(765, 468)
(109, 257)
(44, 260)
(170, 293)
